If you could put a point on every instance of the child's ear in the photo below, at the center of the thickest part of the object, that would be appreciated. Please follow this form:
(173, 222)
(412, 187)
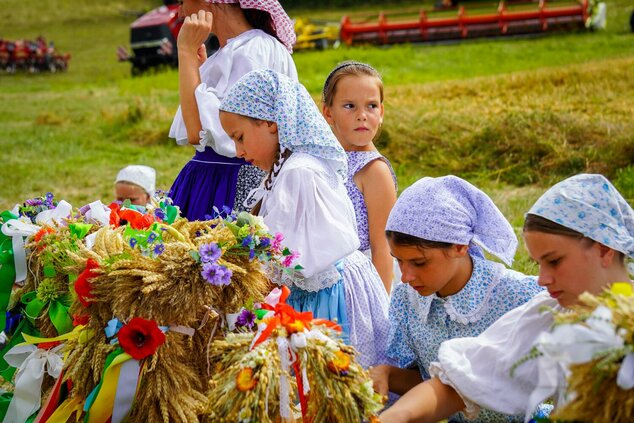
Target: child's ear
(459, 250)
(326, 112)
(607, 254)
(272, 127)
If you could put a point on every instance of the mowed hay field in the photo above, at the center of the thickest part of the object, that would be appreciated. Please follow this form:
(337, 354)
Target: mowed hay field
(510, 115)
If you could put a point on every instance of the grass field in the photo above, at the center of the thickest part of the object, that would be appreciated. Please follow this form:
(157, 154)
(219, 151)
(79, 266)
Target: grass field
(511, 115)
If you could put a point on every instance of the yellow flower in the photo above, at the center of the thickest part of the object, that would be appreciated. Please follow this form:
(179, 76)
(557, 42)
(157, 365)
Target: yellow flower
(622, 288)
(245, 381)
(340, 364)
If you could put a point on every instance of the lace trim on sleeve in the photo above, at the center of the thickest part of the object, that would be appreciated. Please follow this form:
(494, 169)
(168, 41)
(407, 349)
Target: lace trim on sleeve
(471, 409)
(205, 138)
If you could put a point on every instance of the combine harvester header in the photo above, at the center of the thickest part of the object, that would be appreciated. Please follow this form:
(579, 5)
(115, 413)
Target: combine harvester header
(512, 18)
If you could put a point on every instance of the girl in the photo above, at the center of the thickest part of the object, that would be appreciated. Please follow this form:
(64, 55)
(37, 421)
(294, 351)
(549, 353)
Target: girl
(352, 104)
(135, 183)
(276, 126)
(253, 34)
(579, 232)
(437, 231)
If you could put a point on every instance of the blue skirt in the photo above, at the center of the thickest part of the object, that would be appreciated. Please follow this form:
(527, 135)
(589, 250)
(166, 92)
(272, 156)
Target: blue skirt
(208, 180)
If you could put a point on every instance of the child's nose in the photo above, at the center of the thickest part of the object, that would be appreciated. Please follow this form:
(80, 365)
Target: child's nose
(544, 278)
(406, 273)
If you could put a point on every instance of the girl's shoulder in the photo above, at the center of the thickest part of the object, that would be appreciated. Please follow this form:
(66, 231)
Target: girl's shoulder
(305, 167)
(369, 161)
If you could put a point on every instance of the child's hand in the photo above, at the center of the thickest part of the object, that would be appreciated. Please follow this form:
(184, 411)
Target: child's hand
(195, 30)
(380, 377)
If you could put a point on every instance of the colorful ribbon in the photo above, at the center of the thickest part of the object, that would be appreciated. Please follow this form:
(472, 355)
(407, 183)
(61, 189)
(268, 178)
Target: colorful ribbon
(57, 311)
(7, 266)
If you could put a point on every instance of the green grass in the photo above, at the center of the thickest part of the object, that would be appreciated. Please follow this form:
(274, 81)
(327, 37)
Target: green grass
(511, 115)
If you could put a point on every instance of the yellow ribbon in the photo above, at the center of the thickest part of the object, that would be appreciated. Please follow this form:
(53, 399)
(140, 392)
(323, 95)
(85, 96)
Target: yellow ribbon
(30, 339)
(101, 409)
(66, 409)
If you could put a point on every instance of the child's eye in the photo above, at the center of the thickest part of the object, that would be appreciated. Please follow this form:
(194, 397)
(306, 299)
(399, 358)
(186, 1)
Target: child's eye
(554, 262)
(348, 106)
(420, 263)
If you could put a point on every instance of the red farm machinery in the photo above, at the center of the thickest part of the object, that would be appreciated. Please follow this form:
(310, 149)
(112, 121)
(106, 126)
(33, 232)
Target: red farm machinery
(153, 39)
(473, 21)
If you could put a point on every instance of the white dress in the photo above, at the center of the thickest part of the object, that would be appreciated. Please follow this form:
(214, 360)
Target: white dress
(251, 50)
(309, 204)
(479, 368)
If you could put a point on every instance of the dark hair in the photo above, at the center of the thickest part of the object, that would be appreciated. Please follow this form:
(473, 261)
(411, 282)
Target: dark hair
(260, 19)
(348, 68)
(406, 240)
(535, 223)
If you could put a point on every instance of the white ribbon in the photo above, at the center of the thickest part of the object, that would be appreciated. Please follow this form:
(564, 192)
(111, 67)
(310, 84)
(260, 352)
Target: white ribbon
(98, 212)
(18, 230)
(32, 363)
(285, 362)
(625, 377)
(126, 390)
(572, 344)
(56, 216)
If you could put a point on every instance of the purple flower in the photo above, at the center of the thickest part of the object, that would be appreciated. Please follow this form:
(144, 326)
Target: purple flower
(277, 243)
(265, 242)
(251, 254)
(159, 214)
(158, 249)
(247, 241)
(210, 253)
(216, 275)
(151, 237)
(288, 260)
(133, 242)
(246, 318)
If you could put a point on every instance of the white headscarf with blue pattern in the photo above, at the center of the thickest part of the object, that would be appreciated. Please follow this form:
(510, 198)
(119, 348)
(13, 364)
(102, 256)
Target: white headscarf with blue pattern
(592, 206)
(450, 209)
(271, 96)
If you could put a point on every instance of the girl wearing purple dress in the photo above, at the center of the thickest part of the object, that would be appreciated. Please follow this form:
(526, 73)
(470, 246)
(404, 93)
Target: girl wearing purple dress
(353, 106)
(253, 34)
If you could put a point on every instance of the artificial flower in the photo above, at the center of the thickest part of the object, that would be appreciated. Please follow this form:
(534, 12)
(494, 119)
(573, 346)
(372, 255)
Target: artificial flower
(140, 337)
(216, 275)
(340, 363)
(245, 381)
(83, 287)
(209, 253)
(246, 318)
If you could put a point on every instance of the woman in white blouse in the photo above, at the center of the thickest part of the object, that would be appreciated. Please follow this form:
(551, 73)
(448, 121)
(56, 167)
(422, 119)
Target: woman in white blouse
(276, 125)
(253, 34)
(579, 232)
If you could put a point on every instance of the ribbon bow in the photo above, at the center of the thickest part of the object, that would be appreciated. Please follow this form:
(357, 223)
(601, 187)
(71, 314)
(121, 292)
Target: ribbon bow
(57, 311)
(32, 362)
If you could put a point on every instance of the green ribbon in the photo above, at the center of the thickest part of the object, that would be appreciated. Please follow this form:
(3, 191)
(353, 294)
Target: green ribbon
(5, 400)
(79, 230)
(57, 311)
(7, 267)
(90, 399)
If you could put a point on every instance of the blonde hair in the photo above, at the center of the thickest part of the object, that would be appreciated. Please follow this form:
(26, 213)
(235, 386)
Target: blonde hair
(348, 68)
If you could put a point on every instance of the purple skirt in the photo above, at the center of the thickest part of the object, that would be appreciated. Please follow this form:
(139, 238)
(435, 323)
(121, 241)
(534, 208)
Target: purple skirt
(207, 180)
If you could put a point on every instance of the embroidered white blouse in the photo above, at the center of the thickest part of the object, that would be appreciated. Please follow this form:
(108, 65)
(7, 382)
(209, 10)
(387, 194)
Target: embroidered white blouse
(479, 368)
(309, 204)
(251, 50)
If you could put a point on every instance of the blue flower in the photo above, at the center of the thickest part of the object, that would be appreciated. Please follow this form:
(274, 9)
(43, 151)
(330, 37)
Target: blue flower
(210, 253)
(158, 249)
(133, 242)
(151, 237)
(216, 275)
(159, 214)
(265, 242)
(247, 241)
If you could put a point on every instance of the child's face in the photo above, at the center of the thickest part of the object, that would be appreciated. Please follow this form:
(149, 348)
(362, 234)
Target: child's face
(356, 112)
(256, 140)
(189, 7)
(430, 270)
(567, 266)
(134, 193)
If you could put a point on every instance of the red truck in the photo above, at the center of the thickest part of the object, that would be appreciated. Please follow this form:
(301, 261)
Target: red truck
(153, 39)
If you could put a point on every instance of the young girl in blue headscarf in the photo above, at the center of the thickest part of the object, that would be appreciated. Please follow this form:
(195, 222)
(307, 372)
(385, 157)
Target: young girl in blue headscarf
(579, 232)
(276, 126)
(437, 231)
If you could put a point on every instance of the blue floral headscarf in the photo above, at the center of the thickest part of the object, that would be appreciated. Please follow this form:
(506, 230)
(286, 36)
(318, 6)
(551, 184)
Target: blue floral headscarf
(271, 96)
(592, 206)
(450, 209)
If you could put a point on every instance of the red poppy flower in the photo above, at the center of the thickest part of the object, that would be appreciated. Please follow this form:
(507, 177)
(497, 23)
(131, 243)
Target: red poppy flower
(140, 337)
(83, 287)
(80, 319)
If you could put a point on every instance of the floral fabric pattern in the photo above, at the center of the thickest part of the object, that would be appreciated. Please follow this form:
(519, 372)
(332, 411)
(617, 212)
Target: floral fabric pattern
(357, 160)
(418, 324)
(450, 209)
(591, 205)
(271, 96)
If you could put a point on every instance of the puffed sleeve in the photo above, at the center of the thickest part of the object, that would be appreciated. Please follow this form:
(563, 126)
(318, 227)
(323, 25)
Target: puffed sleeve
(399, 352)
(313, 216)
(233, 61)
(479, 368)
